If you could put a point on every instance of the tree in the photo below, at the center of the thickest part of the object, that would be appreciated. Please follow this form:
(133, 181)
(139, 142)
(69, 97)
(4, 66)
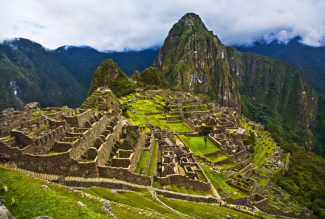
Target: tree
(124, 107)
(205, 131)
(166, 108)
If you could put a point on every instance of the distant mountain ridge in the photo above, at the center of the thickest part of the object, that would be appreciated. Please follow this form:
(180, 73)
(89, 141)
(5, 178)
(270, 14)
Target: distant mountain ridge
(29, 72)
(309, 60)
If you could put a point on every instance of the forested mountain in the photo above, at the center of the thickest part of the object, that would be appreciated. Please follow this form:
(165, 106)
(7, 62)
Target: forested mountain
(266, 90)
(309, 60)
(30, 72)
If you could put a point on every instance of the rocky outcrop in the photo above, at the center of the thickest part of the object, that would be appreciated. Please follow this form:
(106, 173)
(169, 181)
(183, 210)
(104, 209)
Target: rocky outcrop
(4, 213)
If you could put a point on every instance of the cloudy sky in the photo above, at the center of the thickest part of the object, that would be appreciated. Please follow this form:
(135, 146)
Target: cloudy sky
(138, 24)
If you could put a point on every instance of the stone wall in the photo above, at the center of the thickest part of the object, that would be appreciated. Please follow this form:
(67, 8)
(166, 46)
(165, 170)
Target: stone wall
(214, 154)
(100, 183)
(260, 202)
(125, 175)
(242, 155)
(104, 151)
(152, 146)
(89, 137)
(192, 198)
(79, 120)
(58, 164)
(174, 118)
(180, 180)
(215, 141)
(21, 138)
(44, 144)
(291, 214)
(138, 150)
(240, 201)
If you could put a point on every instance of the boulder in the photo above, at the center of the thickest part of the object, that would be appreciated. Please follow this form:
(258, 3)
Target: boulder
(81, 204)
(4, 213)
(45, 187)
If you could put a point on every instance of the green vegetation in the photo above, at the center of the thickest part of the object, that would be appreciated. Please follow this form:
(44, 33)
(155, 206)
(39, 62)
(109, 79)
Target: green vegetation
(319, 128)
(218, 181)
(226, 166)
(205, 131)
(305, 178)
(204, 211)
(142, 164)
(201, 176)
(276, 99)
(150, 78)
(197, 146)
(140, 199)
(31, 200)
(153, 162)
(147, 106)
(181, 189)
(308, 59)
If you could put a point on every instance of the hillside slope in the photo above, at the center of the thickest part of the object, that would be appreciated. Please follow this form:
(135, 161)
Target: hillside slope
(29, 73)
(58, 77)
(309, 60)
(274, 94)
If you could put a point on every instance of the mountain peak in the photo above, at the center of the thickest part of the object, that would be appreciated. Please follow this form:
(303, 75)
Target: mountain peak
(193, 59)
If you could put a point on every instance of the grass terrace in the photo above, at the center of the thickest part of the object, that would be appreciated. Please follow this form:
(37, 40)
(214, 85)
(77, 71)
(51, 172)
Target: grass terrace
(142, 164)
(139, 199)
(204, 211)
(146, 106)
(181, 189)
(218, 181)
(31, 200)
(153, 162)
(226, 166)
(197, 146)
(201, 176)
(264, 145)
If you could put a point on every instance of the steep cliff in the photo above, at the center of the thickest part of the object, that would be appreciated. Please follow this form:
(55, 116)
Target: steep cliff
(193, 59)
(275, 94)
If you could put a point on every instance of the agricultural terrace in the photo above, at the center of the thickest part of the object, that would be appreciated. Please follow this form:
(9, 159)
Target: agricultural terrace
(218, 181)
(263, 147)
(197, 146)
(200, 210)
(146, 106)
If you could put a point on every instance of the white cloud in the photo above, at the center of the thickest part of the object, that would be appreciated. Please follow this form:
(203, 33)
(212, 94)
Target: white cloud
(136, 24)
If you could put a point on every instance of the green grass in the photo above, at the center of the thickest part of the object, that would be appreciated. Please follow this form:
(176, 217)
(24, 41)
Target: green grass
(146, 106)
(201, 176)
(226, 166)
(218, 158)
(140, 199)
(181, 189)
(31, 200)
(218, 181)
(197, 146)
(143, 162)
(153, 162)
(200, 209)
